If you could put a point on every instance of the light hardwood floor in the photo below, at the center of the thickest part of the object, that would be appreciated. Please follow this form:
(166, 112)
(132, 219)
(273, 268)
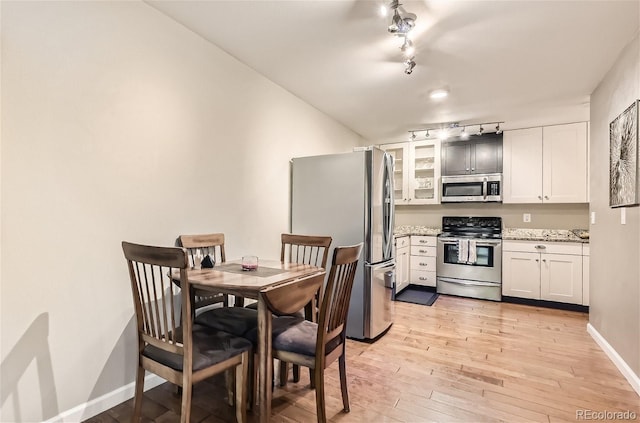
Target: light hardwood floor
(459, 360)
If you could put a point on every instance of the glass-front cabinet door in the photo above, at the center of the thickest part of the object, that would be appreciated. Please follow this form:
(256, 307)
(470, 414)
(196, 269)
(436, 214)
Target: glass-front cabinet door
(400, 154)
(425, 172)
(416, 171)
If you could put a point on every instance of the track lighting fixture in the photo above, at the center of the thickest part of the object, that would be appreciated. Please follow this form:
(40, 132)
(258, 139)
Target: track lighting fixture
(448, 130)
(402, 22)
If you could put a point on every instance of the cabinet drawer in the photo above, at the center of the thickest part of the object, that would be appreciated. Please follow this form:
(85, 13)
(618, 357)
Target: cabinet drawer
(543, 247)
(423, 277)
(427, 241)
(423, 263)
(419, 250)
(402, 241)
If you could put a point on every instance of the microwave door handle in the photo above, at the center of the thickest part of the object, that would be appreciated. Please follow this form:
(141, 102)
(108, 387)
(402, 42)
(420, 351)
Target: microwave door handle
(485, 188)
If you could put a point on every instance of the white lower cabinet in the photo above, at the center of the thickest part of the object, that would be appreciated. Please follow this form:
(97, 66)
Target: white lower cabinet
(543, 271)
(403, 251)
(423, 260)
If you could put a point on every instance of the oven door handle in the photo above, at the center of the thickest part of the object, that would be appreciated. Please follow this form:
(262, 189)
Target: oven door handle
(478, 243)
(467, 282)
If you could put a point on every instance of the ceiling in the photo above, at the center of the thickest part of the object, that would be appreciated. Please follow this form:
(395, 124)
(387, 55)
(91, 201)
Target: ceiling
(521, 62)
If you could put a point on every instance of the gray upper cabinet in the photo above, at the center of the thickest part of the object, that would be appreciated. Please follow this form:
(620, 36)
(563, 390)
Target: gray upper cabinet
(481, 154)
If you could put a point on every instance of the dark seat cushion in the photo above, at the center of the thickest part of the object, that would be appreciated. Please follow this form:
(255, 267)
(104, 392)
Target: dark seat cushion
(278, 325)
(296, 335)
(234, 320)
(209, 347)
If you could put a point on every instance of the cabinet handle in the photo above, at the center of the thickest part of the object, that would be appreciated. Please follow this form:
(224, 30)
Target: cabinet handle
(540, 247)
(422, 251)
(467, 169)
(544, 260)
(424, 264)
(473, 168)
(539, 197)
(422, 278)
(422, 241)
(546, 197)
(537, 260)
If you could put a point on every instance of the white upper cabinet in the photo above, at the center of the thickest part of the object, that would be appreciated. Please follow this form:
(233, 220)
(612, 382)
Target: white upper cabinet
(546, 164)
(416, 172)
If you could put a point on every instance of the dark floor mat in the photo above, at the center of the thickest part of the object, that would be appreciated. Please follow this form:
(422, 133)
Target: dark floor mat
(417, 296)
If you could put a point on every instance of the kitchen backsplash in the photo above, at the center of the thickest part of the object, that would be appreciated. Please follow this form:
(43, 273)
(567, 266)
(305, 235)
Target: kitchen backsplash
(543, 216)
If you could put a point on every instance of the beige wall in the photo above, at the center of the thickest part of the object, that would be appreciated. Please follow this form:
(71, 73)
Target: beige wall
(120, 124)
(615, 248)
(547, 216)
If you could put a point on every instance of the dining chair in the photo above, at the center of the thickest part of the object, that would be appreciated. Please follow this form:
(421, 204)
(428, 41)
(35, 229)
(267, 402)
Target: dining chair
(304, 249)
(182, 353)
(317, 345)
(198, 247)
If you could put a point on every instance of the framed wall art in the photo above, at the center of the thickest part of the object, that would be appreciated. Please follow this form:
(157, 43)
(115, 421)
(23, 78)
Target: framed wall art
(623, 158)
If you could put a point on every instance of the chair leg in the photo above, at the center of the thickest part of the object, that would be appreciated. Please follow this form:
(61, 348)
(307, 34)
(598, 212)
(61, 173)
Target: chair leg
(251, 381)
(320, 406)
(230, 381)
(312, 379)
(296, 373)
(284, 373)
(137, 399)
(185, 411)
(242, 373)
(343, 383)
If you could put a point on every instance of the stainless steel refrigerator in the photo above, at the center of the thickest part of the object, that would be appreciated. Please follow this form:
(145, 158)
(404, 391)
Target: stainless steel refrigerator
(350, 198)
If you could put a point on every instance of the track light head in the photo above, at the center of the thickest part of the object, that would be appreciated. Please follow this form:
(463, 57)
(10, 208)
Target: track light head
(409, 65)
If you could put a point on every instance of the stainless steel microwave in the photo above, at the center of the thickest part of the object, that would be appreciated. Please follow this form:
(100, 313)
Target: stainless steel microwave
(472, 188)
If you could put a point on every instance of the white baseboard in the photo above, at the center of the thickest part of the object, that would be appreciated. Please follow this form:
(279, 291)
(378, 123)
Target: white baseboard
(624, 368)
(96, 406)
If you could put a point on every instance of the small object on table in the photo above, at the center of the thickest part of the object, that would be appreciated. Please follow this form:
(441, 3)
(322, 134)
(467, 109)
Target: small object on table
(207, 262)
(250, 263)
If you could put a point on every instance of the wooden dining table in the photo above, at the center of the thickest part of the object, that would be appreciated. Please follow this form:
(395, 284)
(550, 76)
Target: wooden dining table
(229, 278)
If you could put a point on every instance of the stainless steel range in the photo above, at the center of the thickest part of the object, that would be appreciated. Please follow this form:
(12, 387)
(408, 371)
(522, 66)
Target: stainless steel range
(470, 257)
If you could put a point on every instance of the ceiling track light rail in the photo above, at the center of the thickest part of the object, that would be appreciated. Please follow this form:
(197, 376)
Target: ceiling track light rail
(447, 130)
(402, 22)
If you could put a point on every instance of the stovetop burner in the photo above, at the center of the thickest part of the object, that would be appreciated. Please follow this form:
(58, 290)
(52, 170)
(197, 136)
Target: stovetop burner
(472, 227)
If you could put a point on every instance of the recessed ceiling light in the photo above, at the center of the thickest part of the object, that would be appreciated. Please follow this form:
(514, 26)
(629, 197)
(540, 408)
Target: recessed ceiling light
(438, 94)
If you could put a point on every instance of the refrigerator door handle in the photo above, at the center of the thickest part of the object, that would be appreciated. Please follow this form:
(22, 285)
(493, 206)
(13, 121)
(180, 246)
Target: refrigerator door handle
(389, 210)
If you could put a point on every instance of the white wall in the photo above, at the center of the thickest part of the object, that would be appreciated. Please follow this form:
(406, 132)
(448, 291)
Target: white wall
(615, 248)
(119, 124)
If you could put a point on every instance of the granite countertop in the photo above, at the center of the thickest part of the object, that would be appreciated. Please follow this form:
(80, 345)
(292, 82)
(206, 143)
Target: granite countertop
(555, 235)
(520, 234)
(406, 230)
